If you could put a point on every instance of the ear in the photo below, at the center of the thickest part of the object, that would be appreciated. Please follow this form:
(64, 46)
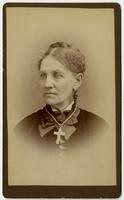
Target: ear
(78, 82)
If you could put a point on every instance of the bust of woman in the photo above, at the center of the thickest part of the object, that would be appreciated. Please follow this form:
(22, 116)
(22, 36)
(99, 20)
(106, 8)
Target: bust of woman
(61, 124)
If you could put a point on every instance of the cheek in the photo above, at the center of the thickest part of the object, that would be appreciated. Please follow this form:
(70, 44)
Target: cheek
(42, 84)
(67, 86)
(70, 83)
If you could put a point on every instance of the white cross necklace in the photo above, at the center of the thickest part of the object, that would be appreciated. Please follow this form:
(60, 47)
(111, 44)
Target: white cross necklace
(60, 133)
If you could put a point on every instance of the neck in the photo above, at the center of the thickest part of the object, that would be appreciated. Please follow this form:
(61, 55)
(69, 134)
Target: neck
(62, 107)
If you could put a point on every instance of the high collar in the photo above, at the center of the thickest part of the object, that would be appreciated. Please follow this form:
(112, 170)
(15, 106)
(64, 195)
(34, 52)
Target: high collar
(68, 108)
(60, 116)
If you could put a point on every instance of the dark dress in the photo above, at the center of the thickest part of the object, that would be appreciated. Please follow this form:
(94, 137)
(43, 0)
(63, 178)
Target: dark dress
(82, 126)
(36, 159)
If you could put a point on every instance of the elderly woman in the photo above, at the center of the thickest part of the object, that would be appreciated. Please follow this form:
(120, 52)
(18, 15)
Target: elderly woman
(61, 124)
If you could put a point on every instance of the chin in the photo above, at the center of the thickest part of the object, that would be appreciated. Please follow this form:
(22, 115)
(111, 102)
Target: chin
(51, 102)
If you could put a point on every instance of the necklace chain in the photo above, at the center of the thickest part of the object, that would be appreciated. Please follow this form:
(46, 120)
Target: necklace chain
(61, 124)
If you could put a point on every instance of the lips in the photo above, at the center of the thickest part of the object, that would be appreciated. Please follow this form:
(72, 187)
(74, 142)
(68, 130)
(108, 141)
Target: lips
(49, 93)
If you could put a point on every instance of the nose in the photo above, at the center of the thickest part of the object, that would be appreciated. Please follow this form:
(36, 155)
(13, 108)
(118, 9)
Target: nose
(48, 82)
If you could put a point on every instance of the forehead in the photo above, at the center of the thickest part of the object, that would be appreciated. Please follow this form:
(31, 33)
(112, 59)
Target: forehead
(51, 64)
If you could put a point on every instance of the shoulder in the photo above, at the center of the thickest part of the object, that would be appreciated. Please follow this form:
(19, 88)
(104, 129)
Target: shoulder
(92, 121)
(30, 121)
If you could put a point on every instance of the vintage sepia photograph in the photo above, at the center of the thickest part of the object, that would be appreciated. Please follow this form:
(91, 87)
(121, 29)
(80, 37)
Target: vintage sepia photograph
(62, 100)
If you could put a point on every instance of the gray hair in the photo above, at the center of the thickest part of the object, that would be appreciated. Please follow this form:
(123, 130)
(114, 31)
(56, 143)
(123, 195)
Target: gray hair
(67, 55)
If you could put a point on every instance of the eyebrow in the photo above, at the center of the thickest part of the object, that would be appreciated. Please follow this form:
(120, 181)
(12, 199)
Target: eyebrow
(57, 71)
(53, 71)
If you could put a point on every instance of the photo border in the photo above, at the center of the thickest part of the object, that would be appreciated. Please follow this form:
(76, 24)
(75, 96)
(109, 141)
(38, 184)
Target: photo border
(50, 191)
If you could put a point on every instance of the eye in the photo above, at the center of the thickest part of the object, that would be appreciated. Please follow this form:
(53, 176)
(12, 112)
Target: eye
(58, 75)
(43, 75)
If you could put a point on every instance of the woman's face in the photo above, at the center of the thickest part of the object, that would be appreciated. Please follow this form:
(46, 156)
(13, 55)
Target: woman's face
(57, 82)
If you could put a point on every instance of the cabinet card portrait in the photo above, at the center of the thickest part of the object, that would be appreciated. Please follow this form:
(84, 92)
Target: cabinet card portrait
(62, 90)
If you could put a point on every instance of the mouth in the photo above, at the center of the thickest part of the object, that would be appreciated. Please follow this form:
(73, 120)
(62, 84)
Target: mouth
(49, 93)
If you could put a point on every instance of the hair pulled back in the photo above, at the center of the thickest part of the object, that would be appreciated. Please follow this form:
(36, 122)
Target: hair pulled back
(67, 55)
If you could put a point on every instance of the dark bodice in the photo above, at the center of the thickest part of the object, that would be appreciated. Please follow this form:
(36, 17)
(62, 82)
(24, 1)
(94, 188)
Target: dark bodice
(86, 127)
(85, 155)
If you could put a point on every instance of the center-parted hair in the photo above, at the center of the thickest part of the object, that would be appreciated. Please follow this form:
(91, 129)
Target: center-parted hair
(67, 55)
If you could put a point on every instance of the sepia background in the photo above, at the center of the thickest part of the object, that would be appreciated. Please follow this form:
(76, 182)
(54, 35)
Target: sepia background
(29, 33)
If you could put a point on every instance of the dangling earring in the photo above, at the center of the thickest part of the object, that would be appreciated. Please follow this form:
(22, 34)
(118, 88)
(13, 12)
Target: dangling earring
(75, 95)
